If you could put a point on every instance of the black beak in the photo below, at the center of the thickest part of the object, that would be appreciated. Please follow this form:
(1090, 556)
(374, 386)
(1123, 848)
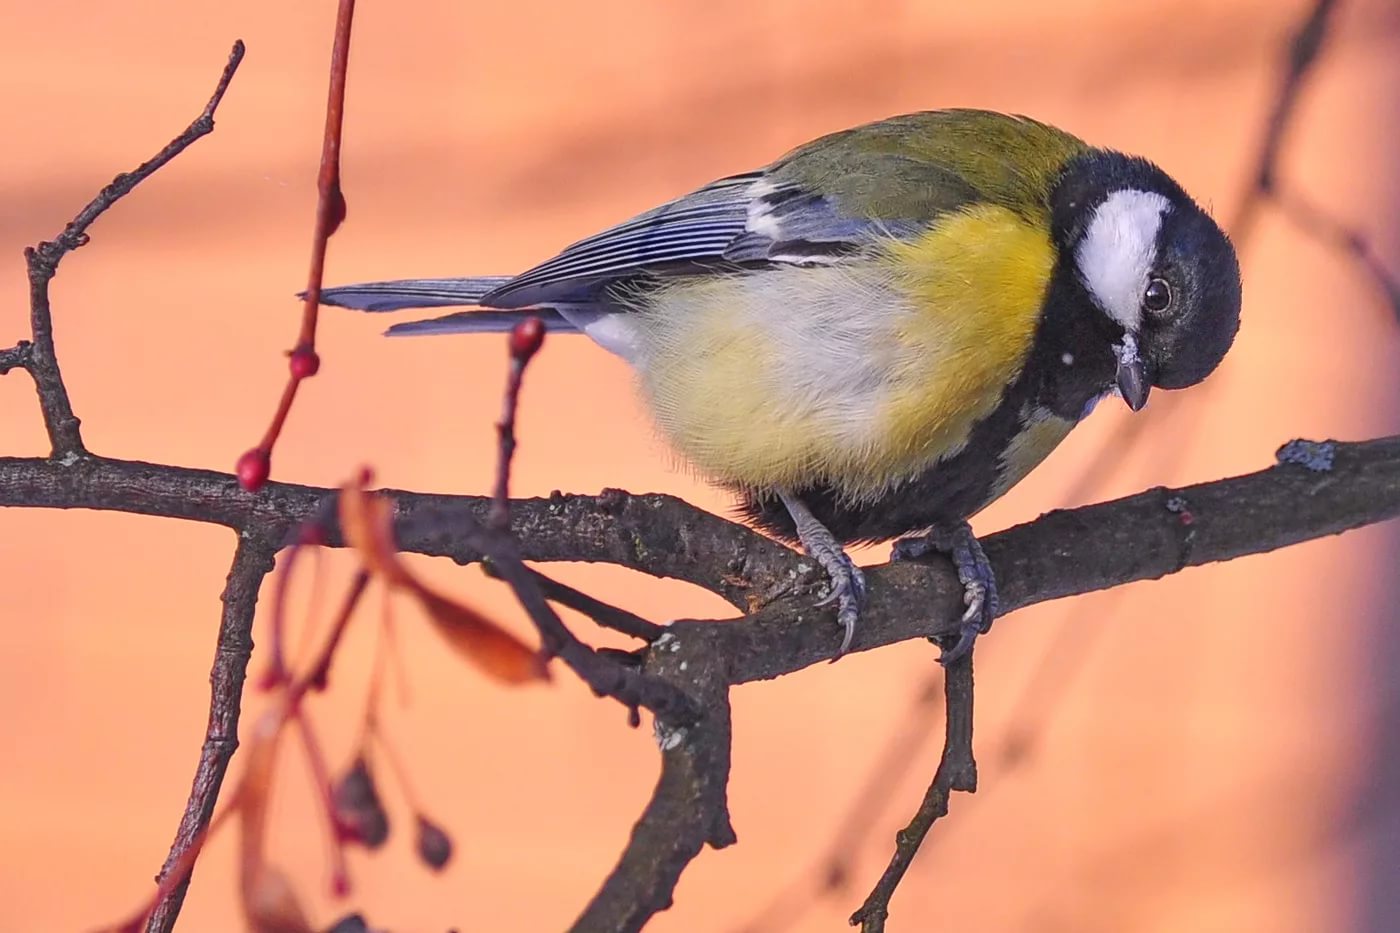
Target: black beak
(1132, 382)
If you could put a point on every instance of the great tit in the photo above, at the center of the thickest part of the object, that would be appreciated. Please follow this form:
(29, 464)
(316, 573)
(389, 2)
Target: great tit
(884, 330)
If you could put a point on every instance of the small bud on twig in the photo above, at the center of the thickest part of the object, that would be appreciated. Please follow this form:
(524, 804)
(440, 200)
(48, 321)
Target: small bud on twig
(526, 338)
(304, 363)
(253, 468)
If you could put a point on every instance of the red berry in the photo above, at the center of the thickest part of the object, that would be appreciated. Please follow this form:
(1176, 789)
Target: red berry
(252, 469)
(526, 338)
(304, 363)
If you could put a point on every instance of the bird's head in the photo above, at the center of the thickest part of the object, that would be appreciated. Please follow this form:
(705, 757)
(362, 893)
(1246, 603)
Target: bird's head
(1160, 275)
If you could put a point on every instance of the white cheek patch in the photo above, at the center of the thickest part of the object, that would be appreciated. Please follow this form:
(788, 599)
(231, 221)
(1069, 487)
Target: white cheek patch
(1118, 251)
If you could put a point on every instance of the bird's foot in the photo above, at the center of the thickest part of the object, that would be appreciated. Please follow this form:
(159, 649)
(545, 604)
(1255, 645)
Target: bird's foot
(974, 572)
(847, 580)
(847, 591)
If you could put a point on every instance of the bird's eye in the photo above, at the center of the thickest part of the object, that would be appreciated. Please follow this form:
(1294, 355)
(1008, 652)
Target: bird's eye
(1158, 296)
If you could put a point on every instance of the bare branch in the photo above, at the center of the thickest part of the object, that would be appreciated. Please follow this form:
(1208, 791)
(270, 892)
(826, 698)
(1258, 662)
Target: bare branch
(1304, 47)
(1063, 553)
(42, 260)
(604, 675)
(525, 341)
(688, 808)
(605, 614)
(658, 535)
(1313, 221)
(1146, 536)
(254, 466)
(957, 770)
(252, 560)
(16, 357)
(1097, 547)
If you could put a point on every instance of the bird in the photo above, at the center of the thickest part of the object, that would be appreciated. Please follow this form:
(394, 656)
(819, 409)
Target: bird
(879, 333)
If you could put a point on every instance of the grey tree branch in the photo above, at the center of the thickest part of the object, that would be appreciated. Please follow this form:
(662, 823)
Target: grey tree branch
(40, 359)
(689, 807)
(252, 561)
(656, 534)
(957, 770)
(1063, 553)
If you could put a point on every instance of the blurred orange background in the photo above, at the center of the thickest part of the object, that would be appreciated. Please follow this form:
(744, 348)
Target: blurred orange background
(1216, 751)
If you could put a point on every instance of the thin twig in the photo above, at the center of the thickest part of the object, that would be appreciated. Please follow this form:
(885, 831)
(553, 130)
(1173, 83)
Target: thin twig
(42, 261)
(525, 341)
(832, 873)
(252, 560)
(1313, 221)
(605, 614)
(16, 357)
(1304, 48)
(957, 770)
(320, 672)
(330, 203)
(604, 675)
(255, 464)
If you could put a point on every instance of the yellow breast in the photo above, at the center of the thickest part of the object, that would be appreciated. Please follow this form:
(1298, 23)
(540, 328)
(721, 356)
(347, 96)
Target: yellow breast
(977, 281)
(860, 374)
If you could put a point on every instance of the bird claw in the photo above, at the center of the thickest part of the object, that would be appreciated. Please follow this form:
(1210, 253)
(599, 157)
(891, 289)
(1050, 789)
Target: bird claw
(856, 584)
(975, 574)
(847, 580)
(847, 583)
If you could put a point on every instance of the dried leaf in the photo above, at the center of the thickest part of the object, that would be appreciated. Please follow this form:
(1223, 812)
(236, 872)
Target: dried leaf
(367, 521)
(268, 901)
(253, 790)
(481, 641)
(270, 904)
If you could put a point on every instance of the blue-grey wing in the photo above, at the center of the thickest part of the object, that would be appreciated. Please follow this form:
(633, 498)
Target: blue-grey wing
(692, 229)
(743, 220)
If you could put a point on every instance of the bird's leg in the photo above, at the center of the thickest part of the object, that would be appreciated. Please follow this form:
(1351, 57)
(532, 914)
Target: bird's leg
(847, 582)
(974, 572)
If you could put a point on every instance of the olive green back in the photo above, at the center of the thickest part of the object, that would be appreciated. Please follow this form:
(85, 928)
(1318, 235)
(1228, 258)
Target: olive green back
(919, 166)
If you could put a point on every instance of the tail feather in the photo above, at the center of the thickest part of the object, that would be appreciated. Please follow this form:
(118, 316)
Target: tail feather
(412, 293)
(481, 322)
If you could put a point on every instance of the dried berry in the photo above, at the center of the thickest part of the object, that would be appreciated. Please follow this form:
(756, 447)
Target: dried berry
(434, 845)
(359, 813)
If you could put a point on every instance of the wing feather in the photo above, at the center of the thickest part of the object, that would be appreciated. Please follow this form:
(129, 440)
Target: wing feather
(690, 229)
